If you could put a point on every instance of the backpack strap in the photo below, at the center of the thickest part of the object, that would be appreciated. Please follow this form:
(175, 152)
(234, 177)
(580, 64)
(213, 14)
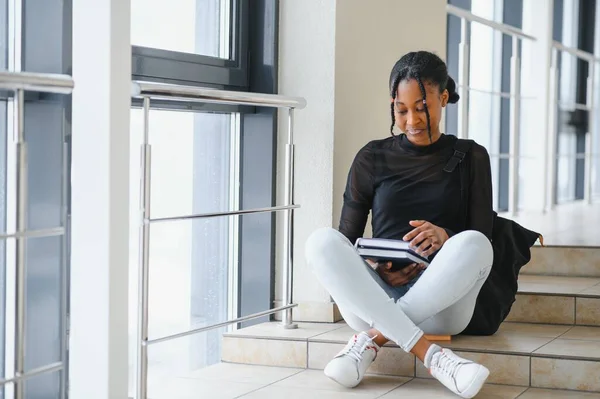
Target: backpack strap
(461, 149)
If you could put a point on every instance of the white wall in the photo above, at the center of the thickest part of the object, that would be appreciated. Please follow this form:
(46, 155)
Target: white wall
(338, 55)
(307, 69)
(100, 197)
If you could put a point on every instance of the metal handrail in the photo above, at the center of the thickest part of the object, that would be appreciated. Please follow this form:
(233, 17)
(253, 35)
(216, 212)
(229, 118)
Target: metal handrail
(219, 325)
(148, 91)
(42, 82)
(166, 91)
(584, 55)
(20, 82)
(506, 29)
(224, 213)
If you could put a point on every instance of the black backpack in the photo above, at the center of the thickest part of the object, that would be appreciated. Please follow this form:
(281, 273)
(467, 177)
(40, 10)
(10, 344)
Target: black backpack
(512, 250)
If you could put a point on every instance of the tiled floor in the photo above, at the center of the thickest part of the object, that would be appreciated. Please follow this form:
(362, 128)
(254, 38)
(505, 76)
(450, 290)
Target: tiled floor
(262, 382)
(572, 224)
(558, 356)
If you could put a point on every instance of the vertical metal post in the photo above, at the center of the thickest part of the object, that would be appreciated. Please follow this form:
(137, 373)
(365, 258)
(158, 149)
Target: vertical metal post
(590, 141)
(21, 242)
(64, 274)
(144, 261)
(463, 71)
(550, 178)
(515, 120)
(288, 224)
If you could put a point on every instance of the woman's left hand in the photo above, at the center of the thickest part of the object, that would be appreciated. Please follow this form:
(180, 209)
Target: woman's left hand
(426, 238)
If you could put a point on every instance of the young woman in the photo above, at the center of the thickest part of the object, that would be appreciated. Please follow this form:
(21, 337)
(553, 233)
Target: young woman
(401, 180)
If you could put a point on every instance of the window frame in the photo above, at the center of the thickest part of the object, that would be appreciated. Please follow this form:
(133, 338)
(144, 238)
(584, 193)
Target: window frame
(152, 64)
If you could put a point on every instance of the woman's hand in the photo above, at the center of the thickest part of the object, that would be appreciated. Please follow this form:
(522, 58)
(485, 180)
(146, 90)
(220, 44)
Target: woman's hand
(399, 277)
(426, 238)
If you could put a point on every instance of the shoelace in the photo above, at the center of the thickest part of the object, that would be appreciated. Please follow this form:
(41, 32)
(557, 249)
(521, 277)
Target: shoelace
(448, 365)
(356, 351)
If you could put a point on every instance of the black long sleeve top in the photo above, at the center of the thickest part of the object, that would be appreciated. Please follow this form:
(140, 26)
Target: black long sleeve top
(399, 182)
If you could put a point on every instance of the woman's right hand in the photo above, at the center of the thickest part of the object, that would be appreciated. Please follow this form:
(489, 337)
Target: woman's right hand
(399, 277)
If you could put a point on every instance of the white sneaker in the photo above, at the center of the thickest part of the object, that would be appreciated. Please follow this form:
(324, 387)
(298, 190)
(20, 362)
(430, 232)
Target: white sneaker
(463, 377)
(349, 366)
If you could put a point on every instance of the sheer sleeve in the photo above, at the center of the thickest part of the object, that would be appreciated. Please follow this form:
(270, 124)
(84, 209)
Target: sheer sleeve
(358, 196)
(481, 212)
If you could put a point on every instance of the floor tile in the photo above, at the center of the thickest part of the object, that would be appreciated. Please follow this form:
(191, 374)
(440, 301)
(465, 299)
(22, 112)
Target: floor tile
(340, 335)
(273, 330)
(568, 224)
(536, 393)
(593, 291)
(588, 311)
(502, 343)
(568, 348)
(249, 374)
(564, 261)
(532, 330)
(267, 352)
(432, 389)
(187, 388)
(375, 385)
(555, 284)
(320, 353)
(543, 309)
(276, 392)
(583, 333)
(578, 375)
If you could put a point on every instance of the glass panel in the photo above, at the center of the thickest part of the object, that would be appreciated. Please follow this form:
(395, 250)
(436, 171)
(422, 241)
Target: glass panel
(43, 317)
(484, 112)
(482, 68)
(34, 386)
(567, 162)
(44, 124)
(192, 169)
(572, 128)
(195, 295)
(188, 26)
(596, 141)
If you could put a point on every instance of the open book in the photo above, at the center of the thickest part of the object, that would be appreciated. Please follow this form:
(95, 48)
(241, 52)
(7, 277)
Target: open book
(384, 250)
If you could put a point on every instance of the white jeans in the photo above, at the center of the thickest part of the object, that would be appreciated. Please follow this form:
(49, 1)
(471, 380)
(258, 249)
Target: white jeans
(441, 301)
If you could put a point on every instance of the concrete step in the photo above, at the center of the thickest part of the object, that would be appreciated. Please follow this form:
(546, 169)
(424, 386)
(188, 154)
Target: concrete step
(564, 261)
(557, 300)
(527, 355)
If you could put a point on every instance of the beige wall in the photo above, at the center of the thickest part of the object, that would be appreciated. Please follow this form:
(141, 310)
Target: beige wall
(338, 55)
(371, 37)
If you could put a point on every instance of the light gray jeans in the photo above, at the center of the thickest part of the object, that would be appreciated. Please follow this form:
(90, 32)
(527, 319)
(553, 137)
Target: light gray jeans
(441, 301)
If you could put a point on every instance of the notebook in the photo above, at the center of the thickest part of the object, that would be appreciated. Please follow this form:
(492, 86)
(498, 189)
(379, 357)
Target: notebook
(384, 250)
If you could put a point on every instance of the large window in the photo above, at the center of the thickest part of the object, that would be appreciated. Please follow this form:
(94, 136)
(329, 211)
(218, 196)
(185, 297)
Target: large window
(489, 84)
(574, 26)
(193, 41)
(188, 26)
(192, 263)
(205, 158)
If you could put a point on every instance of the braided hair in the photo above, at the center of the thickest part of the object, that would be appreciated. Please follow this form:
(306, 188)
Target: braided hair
(423, 67)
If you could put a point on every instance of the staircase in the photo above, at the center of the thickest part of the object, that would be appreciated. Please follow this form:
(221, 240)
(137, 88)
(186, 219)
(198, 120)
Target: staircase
(551, 339)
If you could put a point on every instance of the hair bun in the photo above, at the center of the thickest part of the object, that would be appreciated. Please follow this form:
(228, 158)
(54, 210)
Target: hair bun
(451, 87)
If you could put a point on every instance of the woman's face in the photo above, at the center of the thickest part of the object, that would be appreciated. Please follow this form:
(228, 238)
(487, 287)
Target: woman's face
(410, 111)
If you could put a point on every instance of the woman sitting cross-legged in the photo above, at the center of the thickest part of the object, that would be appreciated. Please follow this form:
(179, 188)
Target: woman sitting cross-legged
(401, 180)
